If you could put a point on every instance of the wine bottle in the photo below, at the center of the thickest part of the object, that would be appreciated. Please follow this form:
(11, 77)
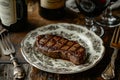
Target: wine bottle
(52, 9)
(13, 14)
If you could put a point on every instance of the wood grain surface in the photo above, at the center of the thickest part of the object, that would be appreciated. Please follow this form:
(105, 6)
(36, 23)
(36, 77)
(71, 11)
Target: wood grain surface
(32, 73)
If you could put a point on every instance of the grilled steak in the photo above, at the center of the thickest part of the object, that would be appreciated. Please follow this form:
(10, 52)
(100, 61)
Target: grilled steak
(60, 48)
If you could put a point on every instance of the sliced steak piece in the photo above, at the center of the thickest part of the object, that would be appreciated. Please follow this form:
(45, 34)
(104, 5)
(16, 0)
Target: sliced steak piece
(60, 48)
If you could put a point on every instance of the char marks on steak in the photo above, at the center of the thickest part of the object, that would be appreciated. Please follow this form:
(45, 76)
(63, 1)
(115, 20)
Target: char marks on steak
(60, 48)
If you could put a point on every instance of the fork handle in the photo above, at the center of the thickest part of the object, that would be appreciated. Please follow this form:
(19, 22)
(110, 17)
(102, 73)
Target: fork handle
(109, 73)
(19, 72)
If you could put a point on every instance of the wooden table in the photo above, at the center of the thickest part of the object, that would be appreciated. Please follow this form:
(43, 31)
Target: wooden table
(32, 73)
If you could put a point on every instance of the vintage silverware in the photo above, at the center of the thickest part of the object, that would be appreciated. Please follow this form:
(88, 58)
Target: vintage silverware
(9, 50)
(115, 44)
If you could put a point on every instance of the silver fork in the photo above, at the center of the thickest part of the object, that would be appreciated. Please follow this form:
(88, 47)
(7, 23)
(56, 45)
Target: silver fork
(115, 44)
(9, 50)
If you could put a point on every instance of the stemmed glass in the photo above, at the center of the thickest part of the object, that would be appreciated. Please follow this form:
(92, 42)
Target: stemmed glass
(91, 9)
(107, 18)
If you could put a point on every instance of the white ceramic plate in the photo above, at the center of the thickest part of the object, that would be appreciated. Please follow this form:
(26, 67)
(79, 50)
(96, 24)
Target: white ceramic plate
(92, 43)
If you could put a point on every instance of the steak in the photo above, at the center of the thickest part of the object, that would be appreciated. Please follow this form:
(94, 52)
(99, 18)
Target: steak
(60, 48)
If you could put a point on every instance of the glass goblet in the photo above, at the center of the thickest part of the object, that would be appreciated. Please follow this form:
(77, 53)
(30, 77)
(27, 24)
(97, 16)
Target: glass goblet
(107, 18)
(91, 9)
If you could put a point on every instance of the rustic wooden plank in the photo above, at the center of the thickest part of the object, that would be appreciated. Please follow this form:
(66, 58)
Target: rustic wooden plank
(32, 73)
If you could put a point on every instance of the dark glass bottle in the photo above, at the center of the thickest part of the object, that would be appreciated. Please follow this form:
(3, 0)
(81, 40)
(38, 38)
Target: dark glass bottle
(13, 14)
(52, 9)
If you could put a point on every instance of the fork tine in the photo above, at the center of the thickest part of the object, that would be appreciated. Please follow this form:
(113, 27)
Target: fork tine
(116, 37)
(5, 41)
(10, 43)
(2, 42)
(6, 44)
